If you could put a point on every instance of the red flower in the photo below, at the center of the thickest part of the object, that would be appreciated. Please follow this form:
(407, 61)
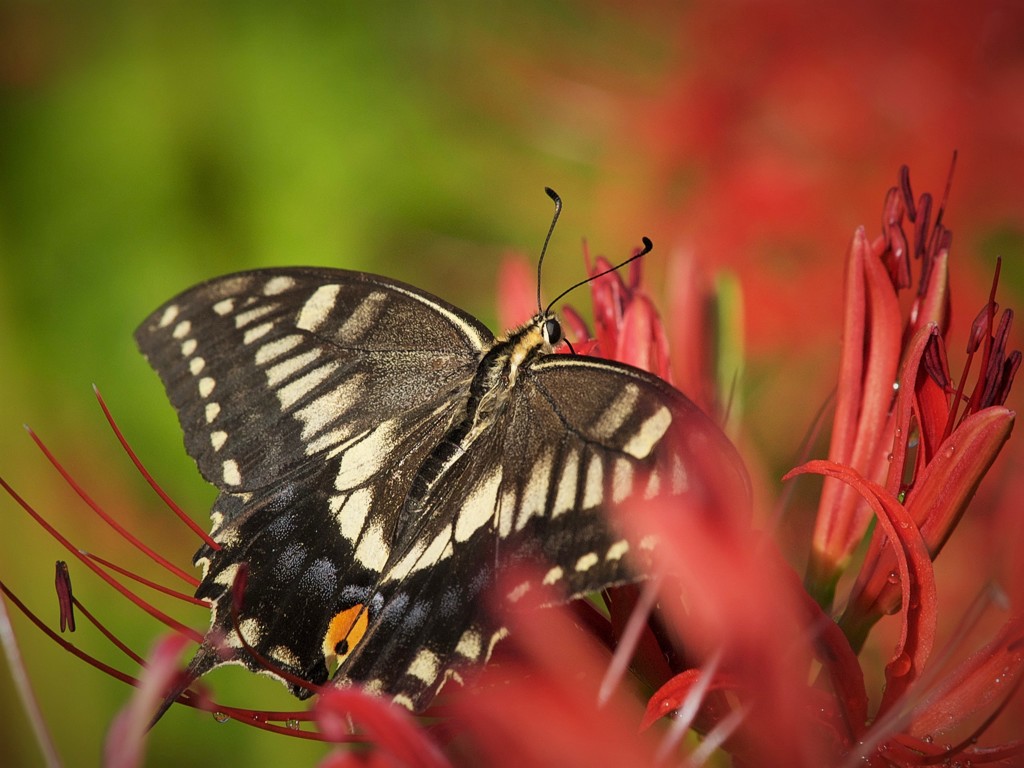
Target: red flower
(723, 649)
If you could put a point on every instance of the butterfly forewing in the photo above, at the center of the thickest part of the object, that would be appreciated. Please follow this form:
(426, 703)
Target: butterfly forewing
(269, 368)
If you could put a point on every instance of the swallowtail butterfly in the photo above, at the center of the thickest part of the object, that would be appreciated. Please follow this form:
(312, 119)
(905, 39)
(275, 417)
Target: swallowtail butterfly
(380, 456)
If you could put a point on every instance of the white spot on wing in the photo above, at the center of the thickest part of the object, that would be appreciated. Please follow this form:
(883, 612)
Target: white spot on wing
(479, 507)
(372, 551)
(535, 495)
(217, 439)
(362, 459)
(552, 576)
(284, 655)
(587, 562)
(182, 329)
(302, 386)
(320, 413)
(231, 474)
(274, 349)
(418, 558)
(501, 634)
(565, 498)
(426, 666)
(196, 365)
(257, 333)
(680, 481)
(617, 412)
(363, 317)
(224, 307)
(329, 439)
(251, 631)
(206, 385)
(617, 550)
(653, 484)
(470, 645)
(168, 316)
(622, 479)
(593, 487)
(227, 577)
(188, 347)
(318, 307)
(351, 511)
(244, 318)
(642, 442)
(276, 285)
(402, 700)
(519, 592)
(212, 411)
(506, 511)
(288, 367)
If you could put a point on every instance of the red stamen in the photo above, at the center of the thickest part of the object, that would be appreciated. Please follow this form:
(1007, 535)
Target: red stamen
(120, 529)
(255, 718)
(66, 645)
(151, 584)
(116, 641)
(151, 610)
(192, 524)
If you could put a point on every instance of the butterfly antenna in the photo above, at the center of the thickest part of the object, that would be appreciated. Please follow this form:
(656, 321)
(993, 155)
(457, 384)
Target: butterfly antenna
(554, 220)
(648, 246)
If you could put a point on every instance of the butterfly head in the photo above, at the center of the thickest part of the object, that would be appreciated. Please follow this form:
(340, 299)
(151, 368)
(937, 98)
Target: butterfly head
(540, 335)
(550, 330)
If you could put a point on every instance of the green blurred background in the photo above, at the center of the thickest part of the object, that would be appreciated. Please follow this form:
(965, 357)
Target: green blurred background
(145, 147)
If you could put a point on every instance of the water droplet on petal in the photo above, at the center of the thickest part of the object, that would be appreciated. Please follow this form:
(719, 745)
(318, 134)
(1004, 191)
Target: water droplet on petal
(292, 723)
(893, 577)
(221, 717)
(900, 665)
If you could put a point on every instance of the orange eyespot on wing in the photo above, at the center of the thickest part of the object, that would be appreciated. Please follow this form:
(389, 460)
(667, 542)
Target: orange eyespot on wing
(344, 633)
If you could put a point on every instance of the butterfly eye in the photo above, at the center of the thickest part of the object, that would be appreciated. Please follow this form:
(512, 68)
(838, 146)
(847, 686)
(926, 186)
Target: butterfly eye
(552, 331)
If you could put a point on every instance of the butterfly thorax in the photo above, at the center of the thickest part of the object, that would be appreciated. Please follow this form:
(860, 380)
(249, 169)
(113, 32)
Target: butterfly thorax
(490, 391)
(500, 367)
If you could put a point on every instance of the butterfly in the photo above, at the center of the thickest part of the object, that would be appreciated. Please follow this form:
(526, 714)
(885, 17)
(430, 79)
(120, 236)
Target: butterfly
(381, 458)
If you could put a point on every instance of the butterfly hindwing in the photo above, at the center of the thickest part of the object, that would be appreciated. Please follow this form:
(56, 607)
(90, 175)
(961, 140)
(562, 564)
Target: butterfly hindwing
(311, 551)
(535, 489)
